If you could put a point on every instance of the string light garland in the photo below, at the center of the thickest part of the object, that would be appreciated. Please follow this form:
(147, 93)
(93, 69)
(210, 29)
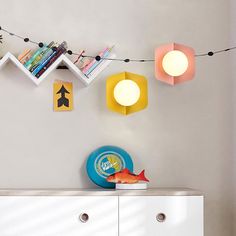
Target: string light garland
(98, 58)
(212, 53)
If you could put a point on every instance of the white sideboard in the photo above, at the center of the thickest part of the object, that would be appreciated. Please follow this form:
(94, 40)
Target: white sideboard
(154, 212)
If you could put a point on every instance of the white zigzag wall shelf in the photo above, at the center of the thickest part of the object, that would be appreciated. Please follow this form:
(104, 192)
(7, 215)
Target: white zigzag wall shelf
(62, 59)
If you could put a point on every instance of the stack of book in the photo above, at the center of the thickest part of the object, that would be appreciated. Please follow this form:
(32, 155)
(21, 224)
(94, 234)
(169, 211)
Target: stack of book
(43, 58)
(90, 67)
(25, 56)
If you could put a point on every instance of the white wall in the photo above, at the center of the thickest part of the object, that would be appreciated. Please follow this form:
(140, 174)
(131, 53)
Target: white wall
(233, 64)
(182, 139)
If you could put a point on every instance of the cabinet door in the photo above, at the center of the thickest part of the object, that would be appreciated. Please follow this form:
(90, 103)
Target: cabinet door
(161, 216)
(58, 216)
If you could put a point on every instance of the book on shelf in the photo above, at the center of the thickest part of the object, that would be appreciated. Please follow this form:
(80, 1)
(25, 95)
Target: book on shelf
(86, 68)
(40, 57)
(25, 56)
(44, 57)
(82, 63)
(104, 54)
(50, 60)
(46, 61)
(99, 68)
(40, 50)
(80, 60)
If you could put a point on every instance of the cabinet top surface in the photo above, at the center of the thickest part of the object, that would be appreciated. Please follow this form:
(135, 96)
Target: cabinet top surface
(101, 192)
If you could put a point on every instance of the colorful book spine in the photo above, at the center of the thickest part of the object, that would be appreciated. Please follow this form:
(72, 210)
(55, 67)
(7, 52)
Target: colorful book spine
(28, 63)
(43, 59)
(83, 63)
(25, 56)
(39, 57)
(44, 66)
(100, 67)
(44, 63)
(52, 60)
(86, 68)
(95, 65)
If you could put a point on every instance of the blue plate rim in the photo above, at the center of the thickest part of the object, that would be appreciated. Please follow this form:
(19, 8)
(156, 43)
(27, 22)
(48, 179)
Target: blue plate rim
(93, 155)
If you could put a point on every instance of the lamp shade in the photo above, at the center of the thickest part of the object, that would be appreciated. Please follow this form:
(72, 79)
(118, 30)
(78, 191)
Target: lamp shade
(126, 93)
(174, 63)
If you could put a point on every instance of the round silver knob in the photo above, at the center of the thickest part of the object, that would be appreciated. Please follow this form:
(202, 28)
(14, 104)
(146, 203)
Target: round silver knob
(84, 217)
(161, 217)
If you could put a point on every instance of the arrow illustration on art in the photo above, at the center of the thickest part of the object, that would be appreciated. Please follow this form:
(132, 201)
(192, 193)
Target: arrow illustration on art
(63, 100)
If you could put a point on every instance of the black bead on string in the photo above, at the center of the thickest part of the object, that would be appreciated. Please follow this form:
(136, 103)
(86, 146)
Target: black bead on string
(127, 60)
(97, 58)
(210, 53)
(40, 44)
(69, 52)
(26, 40)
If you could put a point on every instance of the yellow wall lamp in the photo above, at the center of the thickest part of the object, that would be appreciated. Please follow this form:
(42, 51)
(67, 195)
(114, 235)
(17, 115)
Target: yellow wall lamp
(174, 63)
(126, 93)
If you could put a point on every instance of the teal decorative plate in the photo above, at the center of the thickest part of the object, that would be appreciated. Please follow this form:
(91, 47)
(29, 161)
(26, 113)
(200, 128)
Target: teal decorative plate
(105, 161)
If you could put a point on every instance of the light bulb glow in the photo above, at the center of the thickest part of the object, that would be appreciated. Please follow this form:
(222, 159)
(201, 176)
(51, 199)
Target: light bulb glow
(126, 92)
(175, 63)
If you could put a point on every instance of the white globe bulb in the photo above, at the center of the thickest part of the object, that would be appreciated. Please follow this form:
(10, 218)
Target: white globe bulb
(175, 63)
(126, 92)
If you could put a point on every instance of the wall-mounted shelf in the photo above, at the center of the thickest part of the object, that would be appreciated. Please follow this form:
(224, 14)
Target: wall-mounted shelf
(62, 59)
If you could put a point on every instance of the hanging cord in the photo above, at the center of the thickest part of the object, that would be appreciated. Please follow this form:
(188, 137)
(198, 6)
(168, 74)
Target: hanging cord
(212, 53)
(98, 58)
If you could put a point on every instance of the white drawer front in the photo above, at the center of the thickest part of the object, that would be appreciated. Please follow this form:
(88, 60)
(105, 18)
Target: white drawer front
(183, 216)
(58, 216)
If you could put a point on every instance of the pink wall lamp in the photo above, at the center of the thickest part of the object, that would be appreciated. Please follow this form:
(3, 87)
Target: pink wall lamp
(174, 63)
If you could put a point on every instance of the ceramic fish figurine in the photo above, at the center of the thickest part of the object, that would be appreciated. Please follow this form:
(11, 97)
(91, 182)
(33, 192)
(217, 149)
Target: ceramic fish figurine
(126, 177)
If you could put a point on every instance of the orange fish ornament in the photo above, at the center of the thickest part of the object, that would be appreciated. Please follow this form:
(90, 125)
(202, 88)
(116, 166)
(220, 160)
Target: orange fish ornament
(126, 177)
